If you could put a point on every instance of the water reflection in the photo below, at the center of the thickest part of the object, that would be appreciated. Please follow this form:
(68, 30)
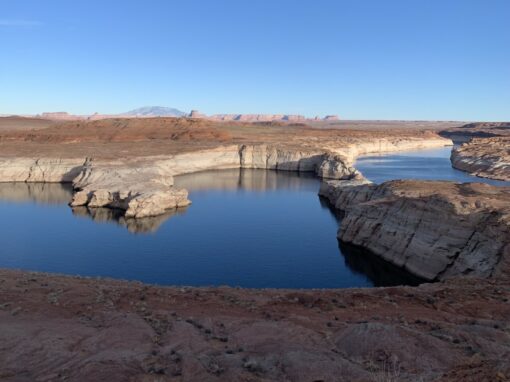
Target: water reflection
(61, 194)
(247, 179)
(116, 216)
(42, 193)
(249, 228)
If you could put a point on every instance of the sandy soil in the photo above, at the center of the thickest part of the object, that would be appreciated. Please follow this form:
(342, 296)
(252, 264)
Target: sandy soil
(22, 124)
(65, 328)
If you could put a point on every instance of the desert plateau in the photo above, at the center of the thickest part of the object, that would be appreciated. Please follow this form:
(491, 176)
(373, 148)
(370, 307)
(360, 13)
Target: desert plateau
(254, 191)
(452, 236)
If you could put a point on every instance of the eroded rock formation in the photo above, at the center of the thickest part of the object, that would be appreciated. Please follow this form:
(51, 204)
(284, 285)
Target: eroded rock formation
(141, 191)
(484, 157)
(143, 186)
(435, 230)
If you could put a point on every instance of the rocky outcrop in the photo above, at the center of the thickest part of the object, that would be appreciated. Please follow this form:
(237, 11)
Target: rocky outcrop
(95, 329)
(484, 157)
(49, 170)
(466, 132)
(143, 187)
(385, 145)
(336, 167)
(141, 190)
(435, 230)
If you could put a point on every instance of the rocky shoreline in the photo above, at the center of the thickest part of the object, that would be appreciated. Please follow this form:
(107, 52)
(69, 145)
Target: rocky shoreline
(484, 157)
(143, 186)
(433, 229)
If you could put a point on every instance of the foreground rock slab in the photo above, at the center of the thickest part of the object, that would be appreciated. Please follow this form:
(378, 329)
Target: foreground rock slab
(76, 329)
(484, 157)
(433, 229)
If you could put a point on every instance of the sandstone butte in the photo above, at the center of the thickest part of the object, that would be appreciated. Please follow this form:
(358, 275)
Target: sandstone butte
(456, 329)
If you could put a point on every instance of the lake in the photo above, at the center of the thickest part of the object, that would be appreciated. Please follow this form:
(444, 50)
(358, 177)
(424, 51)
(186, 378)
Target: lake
(248, 228)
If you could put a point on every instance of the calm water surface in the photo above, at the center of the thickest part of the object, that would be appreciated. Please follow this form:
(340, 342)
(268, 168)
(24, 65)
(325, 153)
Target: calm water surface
(429, 164)
(249, 228)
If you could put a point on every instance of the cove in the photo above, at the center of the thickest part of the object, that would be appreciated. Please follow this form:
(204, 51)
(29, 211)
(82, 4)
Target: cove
(247, 228)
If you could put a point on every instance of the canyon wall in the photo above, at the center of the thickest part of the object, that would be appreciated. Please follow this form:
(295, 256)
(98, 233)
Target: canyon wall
(484, 157)
(434, 230)
(143, 186)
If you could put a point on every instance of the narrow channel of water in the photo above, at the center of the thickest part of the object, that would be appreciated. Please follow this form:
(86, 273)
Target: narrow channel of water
(428, 164)
(249, 228)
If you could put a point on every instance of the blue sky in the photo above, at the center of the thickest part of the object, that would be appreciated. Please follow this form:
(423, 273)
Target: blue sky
(361, 59)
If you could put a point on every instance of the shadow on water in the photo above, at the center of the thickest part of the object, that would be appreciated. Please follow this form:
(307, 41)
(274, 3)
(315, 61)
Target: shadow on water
(358, 260)
(379, 271)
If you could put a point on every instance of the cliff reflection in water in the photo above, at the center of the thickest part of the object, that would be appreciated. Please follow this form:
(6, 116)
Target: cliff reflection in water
(249, 228)
(112, 215)
(247, 179)
(43, 193)
(59, 194)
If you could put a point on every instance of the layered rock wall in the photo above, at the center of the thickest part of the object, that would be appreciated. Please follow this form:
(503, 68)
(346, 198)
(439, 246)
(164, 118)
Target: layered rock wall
(484, 157)
(143, 186)
(434, 230)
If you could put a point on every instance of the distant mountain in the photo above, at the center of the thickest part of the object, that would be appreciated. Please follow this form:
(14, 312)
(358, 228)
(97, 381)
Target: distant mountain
(156, 111)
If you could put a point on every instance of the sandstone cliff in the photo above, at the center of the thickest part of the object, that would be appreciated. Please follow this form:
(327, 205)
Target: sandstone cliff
(433, 229)
(143, 187)
(484, 157)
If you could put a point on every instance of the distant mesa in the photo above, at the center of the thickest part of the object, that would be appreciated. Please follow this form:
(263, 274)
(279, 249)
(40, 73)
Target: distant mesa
(260, 117)
(156, 111)
(196, 114)
(59, 115)
(161, 111)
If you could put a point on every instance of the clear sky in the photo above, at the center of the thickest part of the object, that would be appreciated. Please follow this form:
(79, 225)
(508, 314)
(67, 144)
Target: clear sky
(361, 59)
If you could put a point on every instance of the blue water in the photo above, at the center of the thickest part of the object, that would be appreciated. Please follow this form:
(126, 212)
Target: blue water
(429, 164)
(252, 228)
(249, 228)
